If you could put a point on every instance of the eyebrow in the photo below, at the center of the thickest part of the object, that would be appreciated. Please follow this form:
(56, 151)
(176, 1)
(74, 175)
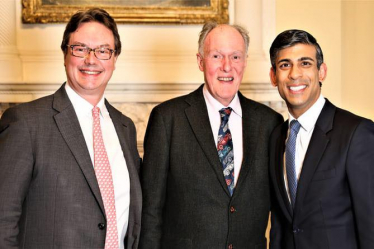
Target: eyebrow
(300, 59)
(85, 45)
(221, 52)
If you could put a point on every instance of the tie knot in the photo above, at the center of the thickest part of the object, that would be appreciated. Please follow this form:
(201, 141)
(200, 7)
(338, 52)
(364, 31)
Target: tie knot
(95, 111)
(225, 113)
(295, 126)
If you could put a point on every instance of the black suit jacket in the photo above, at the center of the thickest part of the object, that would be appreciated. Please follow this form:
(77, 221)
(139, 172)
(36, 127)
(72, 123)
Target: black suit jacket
(186, 200)
(49, 195)
(335, 196)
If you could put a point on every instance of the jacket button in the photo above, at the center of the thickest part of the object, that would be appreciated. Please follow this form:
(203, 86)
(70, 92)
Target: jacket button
(230, 246)
(232, 209)
(101, 226)
(297, 230)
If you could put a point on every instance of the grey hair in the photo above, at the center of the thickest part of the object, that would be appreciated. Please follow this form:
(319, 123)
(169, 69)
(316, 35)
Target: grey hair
(209, 26)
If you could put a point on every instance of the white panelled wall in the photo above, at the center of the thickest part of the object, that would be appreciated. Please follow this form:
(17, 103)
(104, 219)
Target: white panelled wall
(158, 62)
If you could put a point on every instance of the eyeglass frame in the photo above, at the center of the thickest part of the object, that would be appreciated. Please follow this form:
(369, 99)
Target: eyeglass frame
(89, 51)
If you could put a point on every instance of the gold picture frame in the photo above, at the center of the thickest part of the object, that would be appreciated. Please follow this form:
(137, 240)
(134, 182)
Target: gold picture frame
(129, 11)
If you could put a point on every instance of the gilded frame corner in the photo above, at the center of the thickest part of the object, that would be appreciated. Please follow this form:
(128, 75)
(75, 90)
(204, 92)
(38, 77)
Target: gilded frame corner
(34, 11)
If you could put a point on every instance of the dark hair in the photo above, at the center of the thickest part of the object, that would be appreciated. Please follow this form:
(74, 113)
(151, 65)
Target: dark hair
(209, 26)
(290, 38)
(91, 15)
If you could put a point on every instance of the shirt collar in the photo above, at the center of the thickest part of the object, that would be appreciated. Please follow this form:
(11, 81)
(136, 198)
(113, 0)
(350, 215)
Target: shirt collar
(215, 105)
(81, 105)
(309, 119)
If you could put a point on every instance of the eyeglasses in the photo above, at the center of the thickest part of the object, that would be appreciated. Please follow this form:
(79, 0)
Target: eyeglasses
(101, 53)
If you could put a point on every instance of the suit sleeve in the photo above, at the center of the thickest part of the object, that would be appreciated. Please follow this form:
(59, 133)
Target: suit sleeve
(154, 178)
(276, 232)
(16, 164)
(360, 171)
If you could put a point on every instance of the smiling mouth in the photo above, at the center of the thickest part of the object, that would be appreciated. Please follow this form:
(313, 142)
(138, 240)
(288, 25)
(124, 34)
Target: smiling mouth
(90, 72)
(297, 88)
(226, 79)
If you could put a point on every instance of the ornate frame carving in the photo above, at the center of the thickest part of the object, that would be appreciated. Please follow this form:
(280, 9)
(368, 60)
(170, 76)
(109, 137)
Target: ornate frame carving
(34, 11)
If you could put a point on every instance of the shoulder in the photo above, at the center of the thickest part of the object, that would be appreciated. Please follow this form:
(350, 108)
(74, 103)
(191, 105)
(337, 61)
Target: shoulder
(30, 112)
(343, 124)
(118, 115)
(254, 105)
(261, 110)
(349, 118)
(358, 125)
(30, 109)
(180, 103)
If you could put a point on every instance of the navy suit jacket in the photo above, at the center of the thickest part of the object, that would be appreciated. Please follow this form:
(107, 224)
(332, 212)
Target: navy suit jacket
(335, 195)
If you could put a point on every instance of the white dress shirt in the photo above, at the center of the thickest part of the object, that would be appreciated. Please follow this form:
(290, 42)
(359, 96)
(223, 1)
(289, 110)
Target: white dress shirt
(307, 121)
(120, 174)
(235, 125)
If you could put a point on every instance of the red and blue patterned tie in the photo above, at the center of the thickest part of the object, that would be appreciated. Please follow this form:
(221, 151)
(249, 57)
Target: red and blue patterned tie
(225, 149)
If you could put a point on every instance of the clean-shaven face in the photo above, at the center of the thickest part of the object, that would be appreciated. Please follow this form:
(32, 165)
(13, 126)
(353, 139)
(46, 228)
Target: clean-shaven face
(89, 76)
(223, 62)
(297, 77)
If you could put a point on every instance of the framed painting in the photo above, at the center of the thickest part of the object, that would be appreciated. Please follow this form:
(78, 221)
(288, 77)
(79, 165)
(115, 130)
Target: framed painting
(129, 11)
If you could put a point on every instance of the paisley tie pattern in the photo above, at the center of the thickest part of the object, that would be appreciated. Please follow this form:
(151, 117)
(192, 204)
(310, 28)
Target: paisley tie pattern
(225, 149)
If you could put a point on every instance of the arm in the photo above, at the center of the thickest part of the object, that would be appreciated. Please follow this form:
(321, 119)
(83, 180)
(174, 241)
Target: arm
(16, 164)
(278, 226)
(360, 171)
(276, 232)
(154, 178)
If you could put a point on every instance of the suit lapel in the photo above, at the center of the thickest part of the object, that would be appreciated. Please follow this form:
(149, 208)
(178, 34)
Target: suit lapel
(68, 124)
(121, 129)
(316, 148)
(197, 115)
(250, 128)
(279, 172)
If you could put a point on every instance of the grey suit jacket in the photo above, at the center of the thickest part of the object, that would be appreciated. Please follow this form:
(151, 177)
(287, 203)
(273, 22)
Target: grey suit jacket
(49, 195)
(335, 195)
(186, 200)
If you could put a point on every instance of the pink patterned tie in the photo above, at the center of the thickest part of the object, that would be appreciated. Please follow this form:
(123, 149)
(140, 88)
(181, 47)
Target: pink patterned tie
(104, 178)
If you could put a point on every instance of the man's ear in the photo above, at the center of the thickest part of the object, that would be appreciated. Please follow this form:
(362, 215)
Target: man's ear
(322, 73)
(200, 61)
(272, 77)
(115, 60)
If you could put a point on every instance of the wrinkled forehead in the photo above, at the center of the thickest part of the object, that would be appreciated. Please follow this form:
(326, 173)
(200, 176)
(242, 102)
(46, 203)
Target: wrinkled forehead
(225, 38)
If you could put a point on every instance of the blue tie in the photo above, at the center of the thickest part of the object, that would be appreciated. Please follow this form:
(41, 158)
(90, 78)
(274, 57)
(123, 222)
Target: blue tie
(290, 160)
(225, 149)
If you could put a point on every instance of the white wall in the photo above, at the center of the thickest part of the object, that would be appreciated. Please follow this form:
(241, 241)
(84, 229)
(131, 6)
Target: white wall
(357, 57)
(345, 32)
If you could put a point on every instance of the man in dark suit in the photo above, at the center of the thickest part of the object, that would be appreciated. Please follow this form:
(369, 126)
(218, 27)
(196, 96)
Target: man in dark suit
(205, 171)
(68, 162)
(322, 167)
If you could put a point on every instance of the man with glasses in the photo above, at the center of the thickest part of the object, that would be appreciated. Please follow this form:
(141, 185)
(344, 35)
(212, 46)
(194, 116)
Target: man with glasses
(69, 162)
